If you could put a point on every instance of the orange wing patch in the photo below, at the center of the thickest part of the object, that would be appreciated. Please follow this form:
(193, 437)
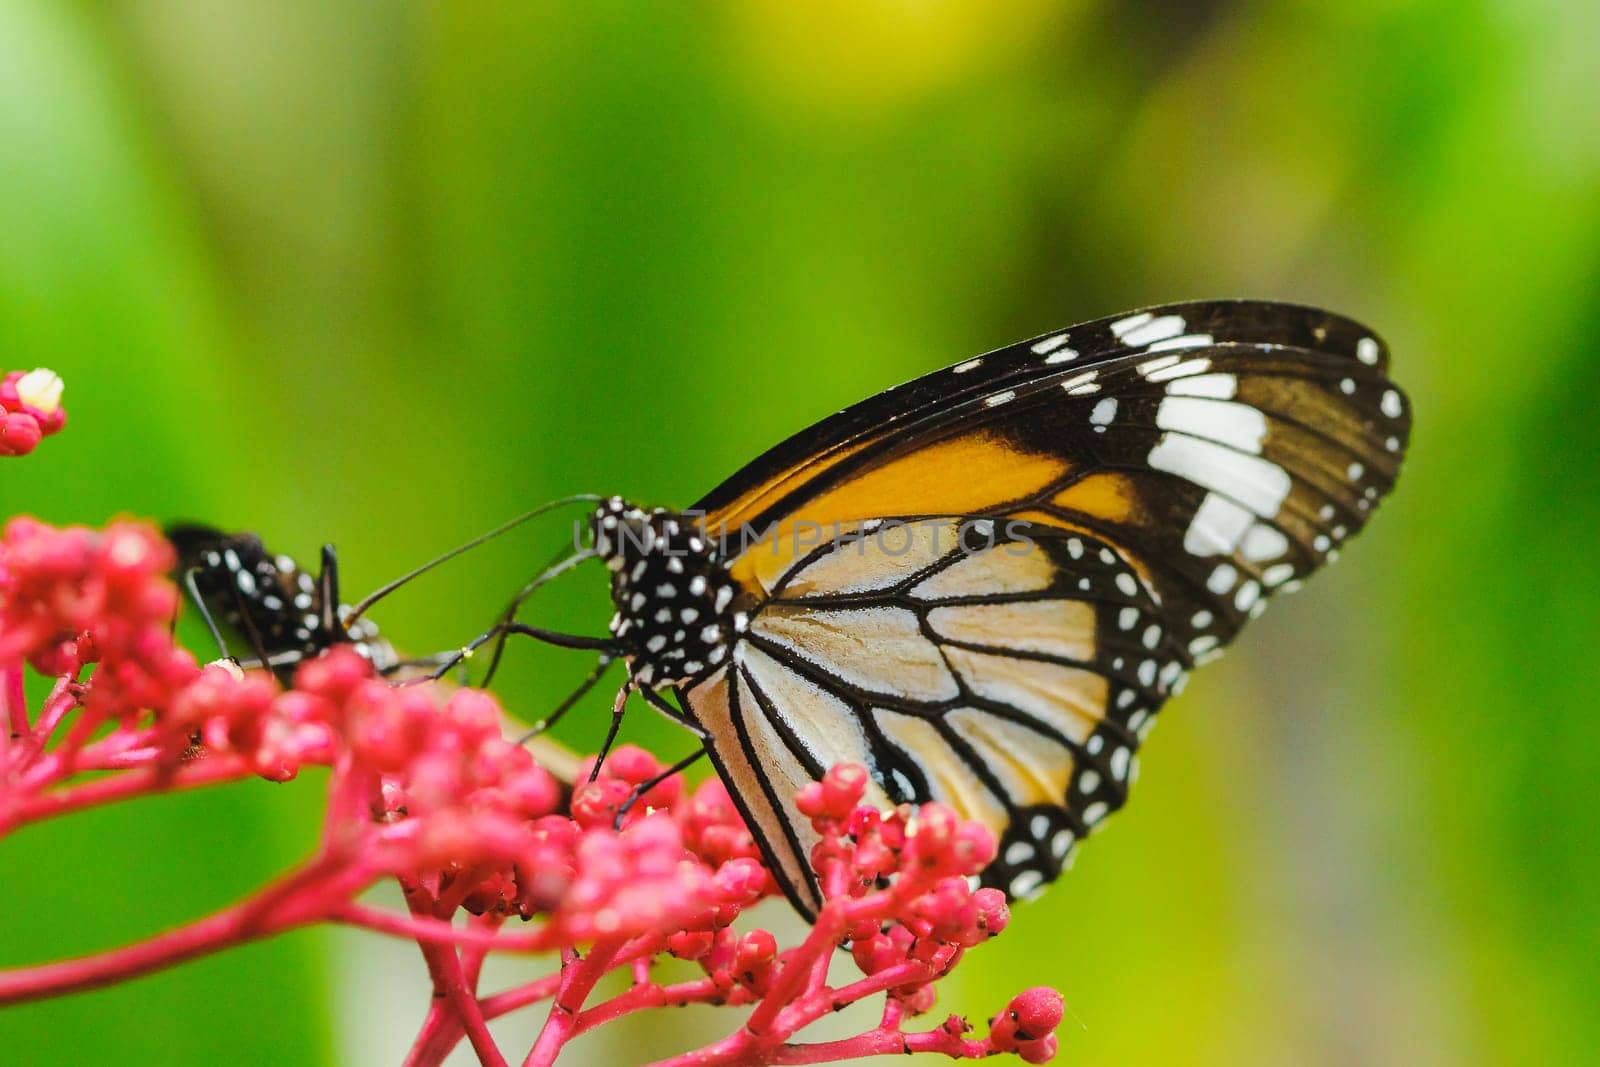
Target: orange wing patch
(969, 474)
(1110, 496)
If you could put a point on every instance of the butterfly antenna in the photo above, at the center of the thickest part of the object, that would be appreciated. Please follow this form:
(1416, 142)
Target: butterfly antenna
(205, 612)
(384, 590)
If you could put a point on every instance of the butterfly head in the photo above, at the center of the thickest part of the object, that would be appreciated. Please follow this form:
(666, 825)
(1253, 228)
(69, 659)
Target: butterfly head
(677, 611)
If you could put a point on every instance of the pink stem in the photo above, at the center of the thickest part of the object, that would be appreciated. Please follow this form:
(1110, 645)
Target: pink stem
(578, 978)
(15, 701)
(62, 699)
(123, 786)
(651, 995)
(814, 1006)
(127, 759)
(436, 1038)
(444, 966)
(425, 928)
(473, 955)
(798, 971)
(882, 1043)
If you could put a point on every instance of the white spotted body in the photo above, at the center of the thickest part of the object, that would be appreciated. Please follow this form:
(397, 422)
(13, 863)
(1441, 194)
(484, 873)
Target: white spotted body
(676, 611)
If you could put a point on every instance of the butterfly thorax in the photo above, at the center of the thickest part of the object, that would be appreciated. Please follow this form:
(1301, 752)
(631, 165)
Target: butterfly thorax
(676, 603)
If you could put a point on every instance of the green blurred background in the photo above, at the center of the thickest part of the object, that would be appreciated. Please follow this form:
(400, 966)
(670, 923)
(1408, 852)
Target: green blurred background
(387, 273)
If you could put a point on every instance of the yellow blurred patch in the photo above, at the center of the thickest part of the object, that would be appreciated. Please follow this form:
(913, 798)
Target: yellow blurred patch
(865, 58)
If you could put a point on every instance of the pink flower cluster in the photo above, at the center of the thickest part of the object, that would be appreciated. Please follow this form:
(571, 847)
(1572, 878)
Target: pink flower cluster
(30, 410)
(74, 597)
(492, 851)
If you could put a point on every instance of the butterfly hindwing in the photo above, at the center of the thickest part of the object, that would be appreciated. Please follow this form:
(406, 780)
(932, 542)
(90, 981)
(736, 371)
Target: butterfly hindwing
(1010, 676)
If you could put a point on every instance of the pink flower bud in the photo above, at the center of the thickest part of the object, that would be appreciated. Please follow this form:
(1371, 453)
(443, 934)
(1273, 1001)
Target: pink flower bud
(973, 848)
(474, 713)
(917, 999)
(875, 953)
(20, 433)
(754, 958)
(993, 912)
(691, 944)
(334, 674)
(843, 787)
(742, 881)
(630, 763)
(595, 804)
(1038, 1011)
(1027, 1026)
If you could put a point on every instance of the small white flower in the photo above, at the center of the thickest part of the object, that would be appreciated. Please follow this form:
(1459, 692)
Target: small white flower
(41, 389)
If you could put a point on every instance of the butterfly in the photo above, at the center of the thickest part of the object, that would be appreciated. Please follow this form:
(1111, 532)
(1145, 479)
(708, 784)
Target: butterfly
(984, 584)
(283, 613)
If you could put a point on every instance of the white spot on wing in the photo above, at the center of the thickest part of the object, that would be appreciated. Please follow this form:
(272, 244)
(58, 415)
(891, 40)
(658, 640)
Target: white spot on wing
(1147, 330)
(1248, 594)
(1187, 368)
(971, 364)
(1277, 574)
(1188, 340)
(1104, 411)
(1239, 425)
(1258, 484)
(1215, 386)
(1222, 578)
(1264, 542)
(1367, 351)
(1151, 367)
(1132, 322)
(1217, 526)
(1049, 344)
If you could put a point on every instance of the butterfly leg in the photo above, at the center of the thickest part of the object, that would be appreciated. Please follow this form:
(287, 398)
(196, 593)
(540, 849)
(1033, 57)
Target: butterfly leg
(428, 663)
(606, 659)
(199, 601)
(617, 707)
(650, 783)
(246, 623)
(505, 629)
